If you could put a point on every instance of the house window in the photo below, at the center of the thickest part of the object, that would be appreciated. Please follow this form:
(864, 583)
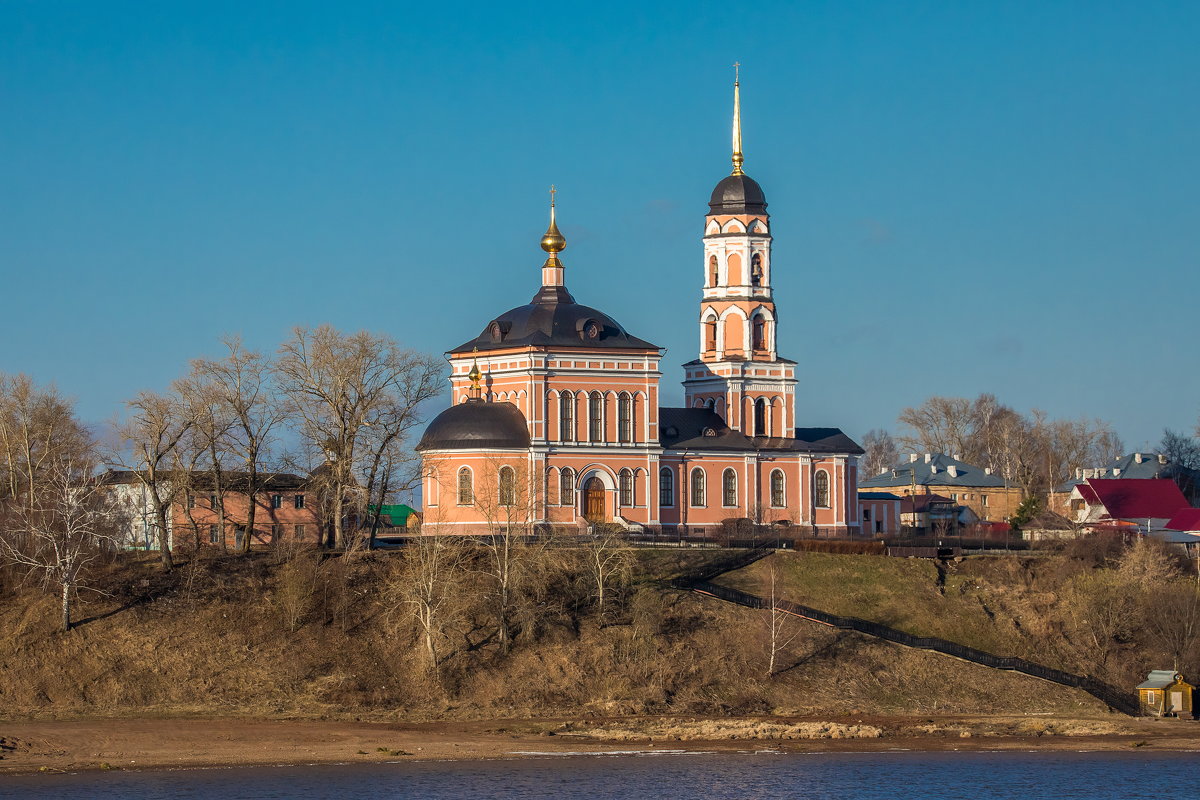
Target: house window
(697, 500)
(821, 489)
(298, 500)
(625, 488)
(276, 532)
(983, 499)
(760, 417)
(191, 500)
(214, 534)
(276, 501)
(238, 536)
(595, 417)
(625, 418)
(212, 501)
(508, 481)
(466, 488)
(729, 488)
(866, 515)
(778, 487)
(566, 487)
(666, 487)
(954, 497)
(299, 532)
(566, 417)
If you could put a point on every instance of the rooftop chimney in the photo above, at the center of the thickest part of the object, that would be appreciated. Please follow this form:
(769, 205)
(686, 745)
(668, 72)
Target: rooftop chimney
(1116, 472)
(1137, 457)
(912, 457)
(953, 470)
(933, 469)
(1162, 458)
(987, 470)
(928, 458)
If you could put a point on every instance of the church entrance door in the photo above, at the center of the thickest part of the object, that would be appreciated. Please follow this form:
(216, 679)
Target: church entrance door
(593, 500)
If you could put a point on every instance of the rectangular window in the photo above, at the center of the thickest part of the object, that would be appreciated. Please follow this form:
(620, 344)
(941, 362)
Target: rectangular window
(954, 496)
(191, 500)
(214, 534)
(276, 501)
(299, 533)
(276, 532)
(299, 501)
(983, 499)
(866, 515)
(212, 501)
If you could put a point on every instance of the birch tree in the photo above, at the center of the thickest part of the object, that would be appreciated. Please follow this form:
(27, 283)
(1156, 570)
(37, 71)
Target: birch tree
(71, 522)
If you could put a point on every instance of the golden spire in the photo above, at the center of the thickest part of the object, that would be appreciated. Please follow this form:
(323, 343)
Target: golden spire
(737, 123)
(474, 375)
(553, 242)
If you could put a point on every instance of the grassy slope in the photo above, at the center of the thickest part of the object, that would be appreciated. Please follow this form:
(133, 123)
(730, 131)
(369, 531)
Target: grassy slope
(212, 642)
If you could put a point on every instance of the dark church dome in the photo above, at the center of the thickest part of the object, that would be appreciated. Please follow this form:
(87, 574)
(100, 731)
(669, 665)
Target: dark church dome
(475, 425)
(738, 194)
(553, 319)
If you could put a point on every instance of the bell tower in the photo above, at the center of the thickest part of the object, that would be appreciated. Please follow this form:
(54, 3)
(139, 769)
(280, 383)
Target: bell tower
(739, 373)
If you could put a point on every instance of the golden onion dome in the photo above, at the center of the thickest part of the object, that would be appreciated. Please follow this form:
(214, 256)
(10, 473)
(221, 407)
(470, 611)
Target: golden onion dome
(474, 375)
(553, 241)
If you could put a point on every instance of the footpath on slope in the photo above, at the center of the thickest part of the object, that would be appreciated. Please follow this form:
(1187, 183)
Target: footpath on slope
(701, 583)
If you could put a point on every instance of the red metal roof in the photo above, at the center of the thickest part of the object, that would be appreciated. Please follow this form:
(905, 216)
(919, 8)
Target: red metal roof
(1136, 498)
(1186, 519)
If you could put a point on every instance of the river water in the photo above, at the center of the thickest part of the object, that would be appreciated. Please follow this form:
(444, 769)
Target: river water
(832, 776)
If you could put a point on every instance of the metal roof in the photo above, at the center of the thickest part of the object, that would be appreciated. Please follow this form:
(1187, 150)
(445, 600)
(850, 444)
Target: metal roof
(936, 471)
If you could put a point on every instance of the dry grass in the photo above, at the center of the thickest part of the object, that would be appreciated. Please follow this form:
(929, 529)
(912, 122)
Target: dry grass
(227, 636)
(717, 730)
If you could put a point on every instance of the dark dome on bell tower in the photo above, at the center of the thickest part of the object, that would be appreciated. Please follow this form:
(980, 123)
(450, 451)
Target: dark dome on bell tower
(738, 194)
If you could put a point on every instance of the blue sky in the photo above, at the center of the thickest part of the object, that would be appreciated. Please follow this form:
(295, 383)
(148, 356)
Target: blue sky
(967, 197)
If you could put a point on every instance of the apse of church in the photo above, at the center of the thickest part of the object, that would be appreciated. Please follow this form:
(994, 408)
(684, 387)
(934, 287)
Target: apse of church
(556, 420)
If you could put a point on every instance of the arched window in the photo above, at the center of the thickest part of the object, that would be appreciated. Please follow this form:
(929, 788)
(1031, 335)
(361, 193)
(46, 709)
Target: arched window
(821, 489)
(666, 487)
(508, 486)
(778, 489)
(698, 487)
(756, 269)
(729, 488)
(713, 273)
(625, 418)
(566, 487)
(760, 417)
(710, 335)
(759, 334)
(710, 404)
(466, 489)
(566, 417)
(595, 417)
(625, 487)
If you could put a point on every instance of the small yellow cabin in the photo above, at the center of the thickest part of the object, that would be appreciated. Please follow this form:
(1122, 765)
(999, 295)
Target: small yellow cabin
(1165, 694)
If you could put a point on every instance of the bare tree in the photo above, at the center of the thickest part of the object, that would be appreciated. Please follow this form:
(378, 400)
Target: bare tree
(428, 584)
(152, 438)
(337, 385)
(781, 626)
(881, 452)
(1180, 449)
(390, 465)
(241, 383)
(506, 496)
(37, 429)
(71, 522)
(609, 561)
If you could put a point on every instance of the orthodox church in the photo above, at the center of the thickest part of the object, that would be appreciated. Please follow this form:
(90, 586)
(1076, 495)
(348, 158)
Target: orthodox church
(556, 420)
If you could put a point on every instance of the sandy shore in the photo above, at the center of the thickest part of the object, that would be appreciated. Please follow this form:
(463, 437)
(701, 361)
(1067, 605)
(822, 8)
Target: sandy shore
(85, 744)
